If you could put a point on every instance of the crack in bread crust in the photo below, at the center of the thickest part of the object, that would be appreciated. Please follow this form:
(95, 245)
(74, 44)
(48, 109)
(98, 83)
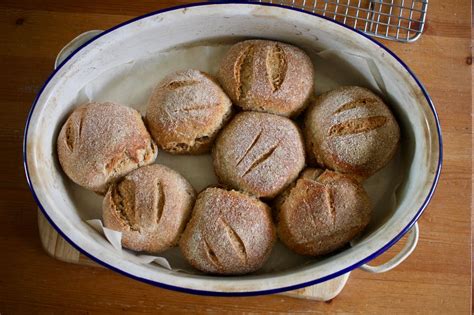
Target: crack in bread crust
(173, 85)
(254, 142)
(243, 71)
(117, 162)
(261, 159)
(364, 102)
(235, 240)
(357, 125)
(122, 198)
(195, 108)
(69, 132)
(276, 67)
(159, 201)
(211, 255)
(329, 199)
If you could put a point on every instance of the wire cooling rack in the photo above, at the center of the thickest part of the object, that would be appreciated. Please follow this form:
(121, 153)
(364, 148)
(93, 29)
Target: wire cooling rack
(400, 20)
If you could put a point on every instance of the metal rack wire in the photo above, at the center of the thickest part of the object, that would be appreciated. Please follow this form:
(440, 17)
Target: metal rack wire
(400, 20)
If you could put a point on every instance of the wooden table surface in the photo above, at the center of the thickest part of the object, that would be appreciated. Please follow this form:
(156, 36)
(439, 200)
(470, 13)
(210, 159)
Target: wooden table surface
(435, 278)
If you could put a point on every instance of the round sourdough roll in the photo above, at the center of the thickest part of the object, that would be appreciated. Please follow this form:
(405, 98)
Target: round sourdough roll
(229, 233)
(150, 206)
(101, 142)
(259, 153)
(185, 112)
(351, 130)
(322, 212)
(267, 76)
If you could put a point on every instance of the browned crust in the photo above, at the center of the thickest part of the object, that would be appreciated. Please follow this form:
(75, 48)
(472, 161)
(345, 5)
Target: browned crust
(229, 233)
(267, 76)
(259, 153)
(186, 111)
(101, 142)
(150, 206)
(352, 131)
(322, 212)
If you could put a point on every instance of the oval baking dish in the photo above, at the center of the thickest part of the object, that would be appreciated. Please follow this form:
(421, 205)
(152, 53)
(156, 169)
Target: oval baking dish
(421, 152)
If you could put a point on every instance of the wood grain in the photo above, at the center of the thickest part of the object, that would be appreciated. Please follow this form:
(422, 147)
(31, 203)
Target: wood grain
(435, 279)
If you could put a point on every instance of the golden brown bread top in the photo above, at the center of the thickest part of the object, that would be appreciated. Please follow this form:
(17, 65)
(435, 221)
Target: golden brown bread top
(229, 233)
(259, 153)
(351, 130)
(100, 142)
(150, 206)
(267, 76)
(322, 212)
(185, 112)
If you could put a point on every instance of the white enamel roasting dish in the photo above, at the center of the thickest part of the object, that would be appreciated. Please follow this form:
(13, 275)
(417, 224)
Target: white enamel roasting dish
(421, 137)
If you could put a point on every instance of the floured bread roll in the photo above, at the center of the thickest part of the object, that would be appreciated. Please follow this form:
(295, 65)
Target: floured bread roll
(101, 142)
(267, 76)
(185, 112)
(229, 233)
(259, 153)
(322, 212)
(351, 130)
(150, 206)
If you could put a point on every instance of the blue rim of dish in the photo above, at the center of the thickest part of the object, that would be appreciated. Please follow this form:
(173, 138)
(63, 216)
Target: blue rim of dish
(249, 293)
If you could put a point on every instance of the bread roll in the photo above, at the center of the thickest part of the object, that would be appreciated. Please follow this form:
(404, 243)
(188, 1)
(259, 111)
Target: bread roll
(259, 153)
(267, 76)
(351, 130)
(101, 142)
(229, 233)
(322, 212)
(185, 112)
(150, 206)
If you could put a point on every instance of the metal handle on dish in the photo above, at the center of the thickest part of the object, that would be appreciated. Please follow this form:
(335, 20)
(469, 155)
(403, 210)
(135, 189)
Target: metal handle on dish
(400, 257)
(74, 44)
